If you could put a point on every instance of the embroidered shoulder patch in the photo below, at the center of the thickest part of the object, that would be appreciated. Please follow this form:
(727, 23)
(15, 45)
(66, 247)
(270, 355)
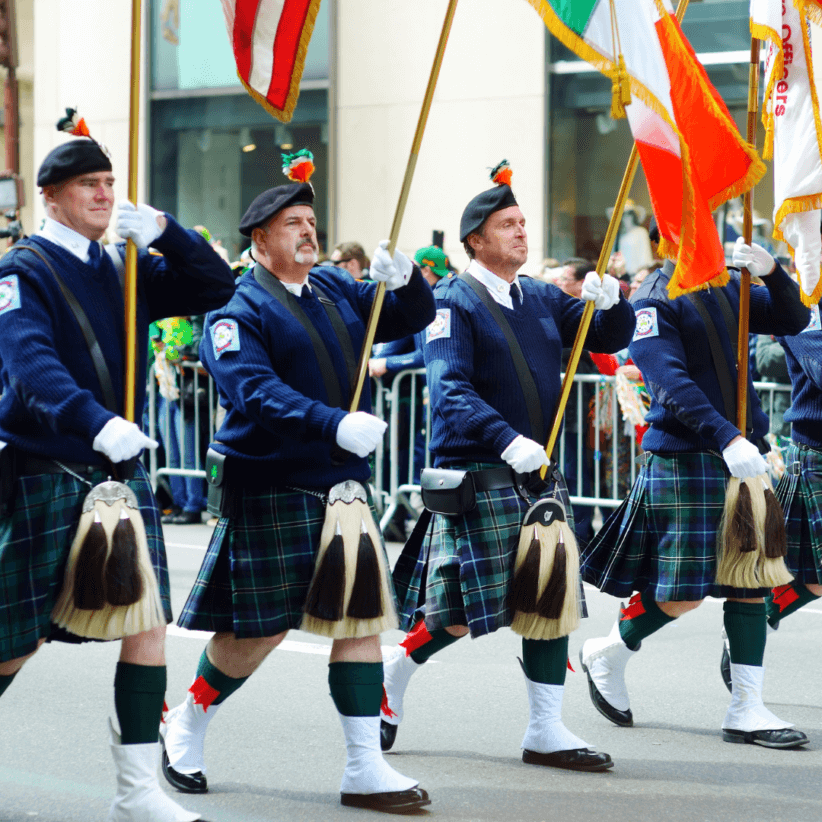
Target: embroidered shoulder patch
(813, 325)
(647, 324)
(225, 335)
(441, 327)
(9, 293)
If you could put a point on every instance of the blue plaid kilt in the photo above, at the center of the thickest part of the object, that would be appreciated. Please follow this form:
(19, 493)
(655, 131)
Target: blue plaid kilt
(470, 563)
(255, 575)
(800, 494)
(35, 539)
(663, 538)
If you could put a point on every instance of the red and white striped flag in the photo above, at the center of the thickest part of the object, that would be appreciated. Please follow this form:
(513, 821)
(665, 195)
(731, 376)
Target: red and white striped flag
(270, 40)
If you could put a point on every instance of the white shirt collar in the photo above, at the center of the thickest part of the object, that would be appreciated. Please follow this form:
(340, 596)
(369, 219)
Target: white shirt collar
(296, 288)
(498, 288)
(66, 237)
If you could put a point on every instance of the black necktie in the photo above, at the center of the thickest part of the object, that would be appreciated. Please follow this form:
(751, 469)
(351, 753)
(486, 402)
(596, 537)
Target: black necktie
(94, 254)
(515, 298)
(306, 292)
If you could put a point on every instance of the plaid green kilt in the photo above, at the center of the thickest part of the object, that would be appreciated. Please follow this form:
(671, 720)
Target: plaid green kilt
(35, 539)
(470, 563)
(800, 494)
(258, 567)
(663, 538)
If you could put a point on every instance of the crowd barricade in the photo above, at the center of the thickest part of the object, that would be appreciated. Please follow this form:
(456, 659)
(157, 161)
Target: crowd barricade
(603, 438)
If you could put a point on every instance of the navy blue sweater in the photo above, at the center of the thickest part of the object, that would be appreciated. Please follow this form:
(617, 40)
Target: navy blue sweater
(52, 403)
(277, 415)
(803, 353)
(671, 349)
(478, 407)
(401, 354)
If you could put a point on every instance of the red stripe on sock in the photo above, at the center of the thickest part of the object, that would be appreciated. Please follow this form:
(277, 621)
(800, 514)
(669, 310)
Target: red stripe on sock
(415, 638)
(203, 693)
(384, 709)
(569, 666)
(784, 596)
(635, 608)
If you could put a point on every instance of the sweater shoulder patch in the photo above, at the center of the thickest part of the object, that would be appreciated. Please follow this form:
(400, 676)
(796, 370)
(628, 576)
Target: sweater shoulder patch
(647, 323)
(813, 325)
(9, 293)
(225, 336)
(440, 327)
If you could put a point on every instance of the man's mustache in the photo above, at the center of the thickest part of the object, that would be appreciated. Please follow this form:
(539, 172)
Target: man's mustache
(308, 243)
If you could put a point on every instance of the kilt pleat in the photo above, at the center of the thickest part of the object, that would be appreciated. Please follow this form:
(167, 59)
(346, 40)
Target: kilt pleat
(255, 575)
(800, 494)
(35, 539)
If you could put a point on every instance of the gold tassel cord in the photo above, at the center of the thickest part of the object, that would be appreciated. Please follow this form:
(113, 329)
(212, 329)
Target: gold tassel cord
(620, 80)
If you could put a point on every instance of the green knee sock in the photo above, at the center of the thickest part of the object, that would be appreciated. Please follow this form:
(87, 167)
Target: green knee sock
(545, 660)
(5, 681)
(139, 691)
(745, 627)
(356, 687)
(421, 645)
(641, 618)
(212, 686)
(786, 599)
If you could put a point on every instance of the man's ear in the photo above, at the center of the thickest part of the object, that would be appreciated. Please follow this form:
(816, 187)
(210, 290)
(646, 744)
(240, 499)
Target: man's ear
(475, 241)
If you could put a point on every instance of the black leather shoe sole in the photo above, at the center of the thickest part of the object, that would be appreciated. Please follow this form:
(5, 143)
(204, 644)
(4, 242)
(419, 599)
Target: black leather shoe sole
(388, 733)
(389, 802)
(625, 719)
(185, 782)
(725, 668)
(782, 738)
(578, 759)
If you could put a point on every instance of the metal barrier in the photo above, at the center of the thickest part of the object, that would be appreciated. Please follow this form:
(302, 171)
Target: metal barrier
(403, 453)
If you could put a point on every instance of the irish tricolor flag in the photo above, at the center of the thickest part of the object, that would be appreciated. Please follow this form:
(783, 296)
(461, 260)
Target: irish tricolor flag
(692, 153)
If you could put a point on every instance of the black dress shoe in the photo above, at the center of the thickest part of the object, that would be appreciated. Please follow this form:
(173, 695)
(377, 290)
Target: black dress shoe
(578, 759)
(167, 519)
(725, 667)
(781, 738)
(388, 733)
(389, 802)
(187, 518)
(624, 719)
(185, 782)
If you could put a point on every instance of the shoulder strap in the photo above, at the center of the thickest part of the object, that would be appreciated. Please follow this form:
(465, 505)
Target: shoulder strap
(277, 290)
(97, 358)
(119, 265)
(341, 330)
(526, 379)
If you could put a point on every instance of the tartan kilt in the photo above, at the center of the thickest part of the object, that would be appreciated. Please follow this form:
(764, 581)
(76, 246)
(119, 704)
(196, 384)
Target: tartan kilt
(663, 538)
(470, 563)
(800, 495)
(35, 538)
(258, 567)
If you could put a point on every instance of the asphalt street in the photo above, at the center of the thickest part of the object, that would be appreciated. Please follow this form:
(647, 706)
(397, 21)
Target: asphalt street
(275, 750)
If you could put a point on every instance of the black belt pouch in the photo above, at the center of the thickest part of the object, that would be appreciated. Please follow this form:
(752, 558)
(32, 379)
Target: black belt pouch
(8, 476)
(449, 492)
(218, 496)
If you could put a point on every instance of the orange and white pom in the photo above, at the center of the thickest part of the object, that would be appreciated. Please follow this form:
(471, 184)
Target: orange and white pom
(73, 123)
(501, 174)
(299, 166)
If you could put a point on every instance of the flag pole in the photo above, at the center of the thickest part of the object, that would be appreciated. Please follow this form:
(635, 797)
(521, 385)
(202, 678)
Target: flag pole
(376, 307)
(130, 296)
(602, 263)
(747, 230)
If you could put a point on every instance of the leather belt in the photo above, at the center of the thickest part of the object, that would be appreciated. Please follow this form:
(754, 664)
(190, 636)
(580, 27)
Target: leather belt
(28, 465)
(494, 479)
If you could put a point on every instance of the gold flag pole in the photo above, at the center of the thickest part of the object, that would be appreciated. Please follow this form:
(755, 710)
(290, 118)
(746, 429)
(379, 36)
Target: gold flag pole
(376, 307)
(130, 296)
(602, 263)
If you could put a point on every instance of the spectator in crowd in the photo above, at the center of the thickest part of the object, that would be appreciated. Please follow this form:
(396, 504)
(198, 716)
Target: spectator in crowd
(352, 257)
(772, 367)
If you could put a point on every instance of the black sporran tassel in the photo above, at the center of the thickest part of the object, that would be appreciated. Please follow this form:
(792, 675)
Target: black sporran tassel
(775, 540)
(743, 527)
(523, 592)
(327, 591)
(366, 598)
(124, 585)
(89, 591)
(553, 597)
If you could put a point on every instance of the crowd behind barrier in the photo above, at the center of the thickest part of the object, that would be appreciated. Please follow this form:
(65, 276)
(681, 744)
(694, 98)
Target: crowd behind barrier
(603, 438)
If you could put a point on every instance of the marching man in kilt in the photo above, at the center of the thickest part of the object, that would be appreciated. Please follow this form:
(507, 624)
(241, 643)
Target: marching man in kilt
(484, 423)
(661, 544)
(61, 435)
(281, 354)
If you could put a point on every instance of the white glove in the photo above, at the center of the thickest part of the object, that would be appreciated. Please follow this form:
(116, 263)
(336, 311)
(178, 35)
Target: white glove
(394, 273)
(753, 257)
(138, 224)
(604, 293)
(524, 455)
(121, 440)
(360, 433)
(744, 460)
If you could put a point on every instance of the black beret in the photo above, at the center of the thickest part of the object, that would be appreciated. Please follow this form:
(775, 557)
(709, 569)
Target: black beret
(80, 156)
(483, 206)
(271, 202)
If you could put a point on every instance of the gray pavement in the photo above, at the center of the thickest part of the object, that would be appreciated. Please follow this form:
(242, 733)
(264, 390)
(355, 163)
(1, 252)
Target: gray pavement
(275, 750)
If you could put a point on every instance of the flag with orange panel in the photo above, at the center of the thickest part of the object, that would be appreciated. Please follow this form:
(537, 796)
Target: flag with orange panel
(270, 41)
(692, 153)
